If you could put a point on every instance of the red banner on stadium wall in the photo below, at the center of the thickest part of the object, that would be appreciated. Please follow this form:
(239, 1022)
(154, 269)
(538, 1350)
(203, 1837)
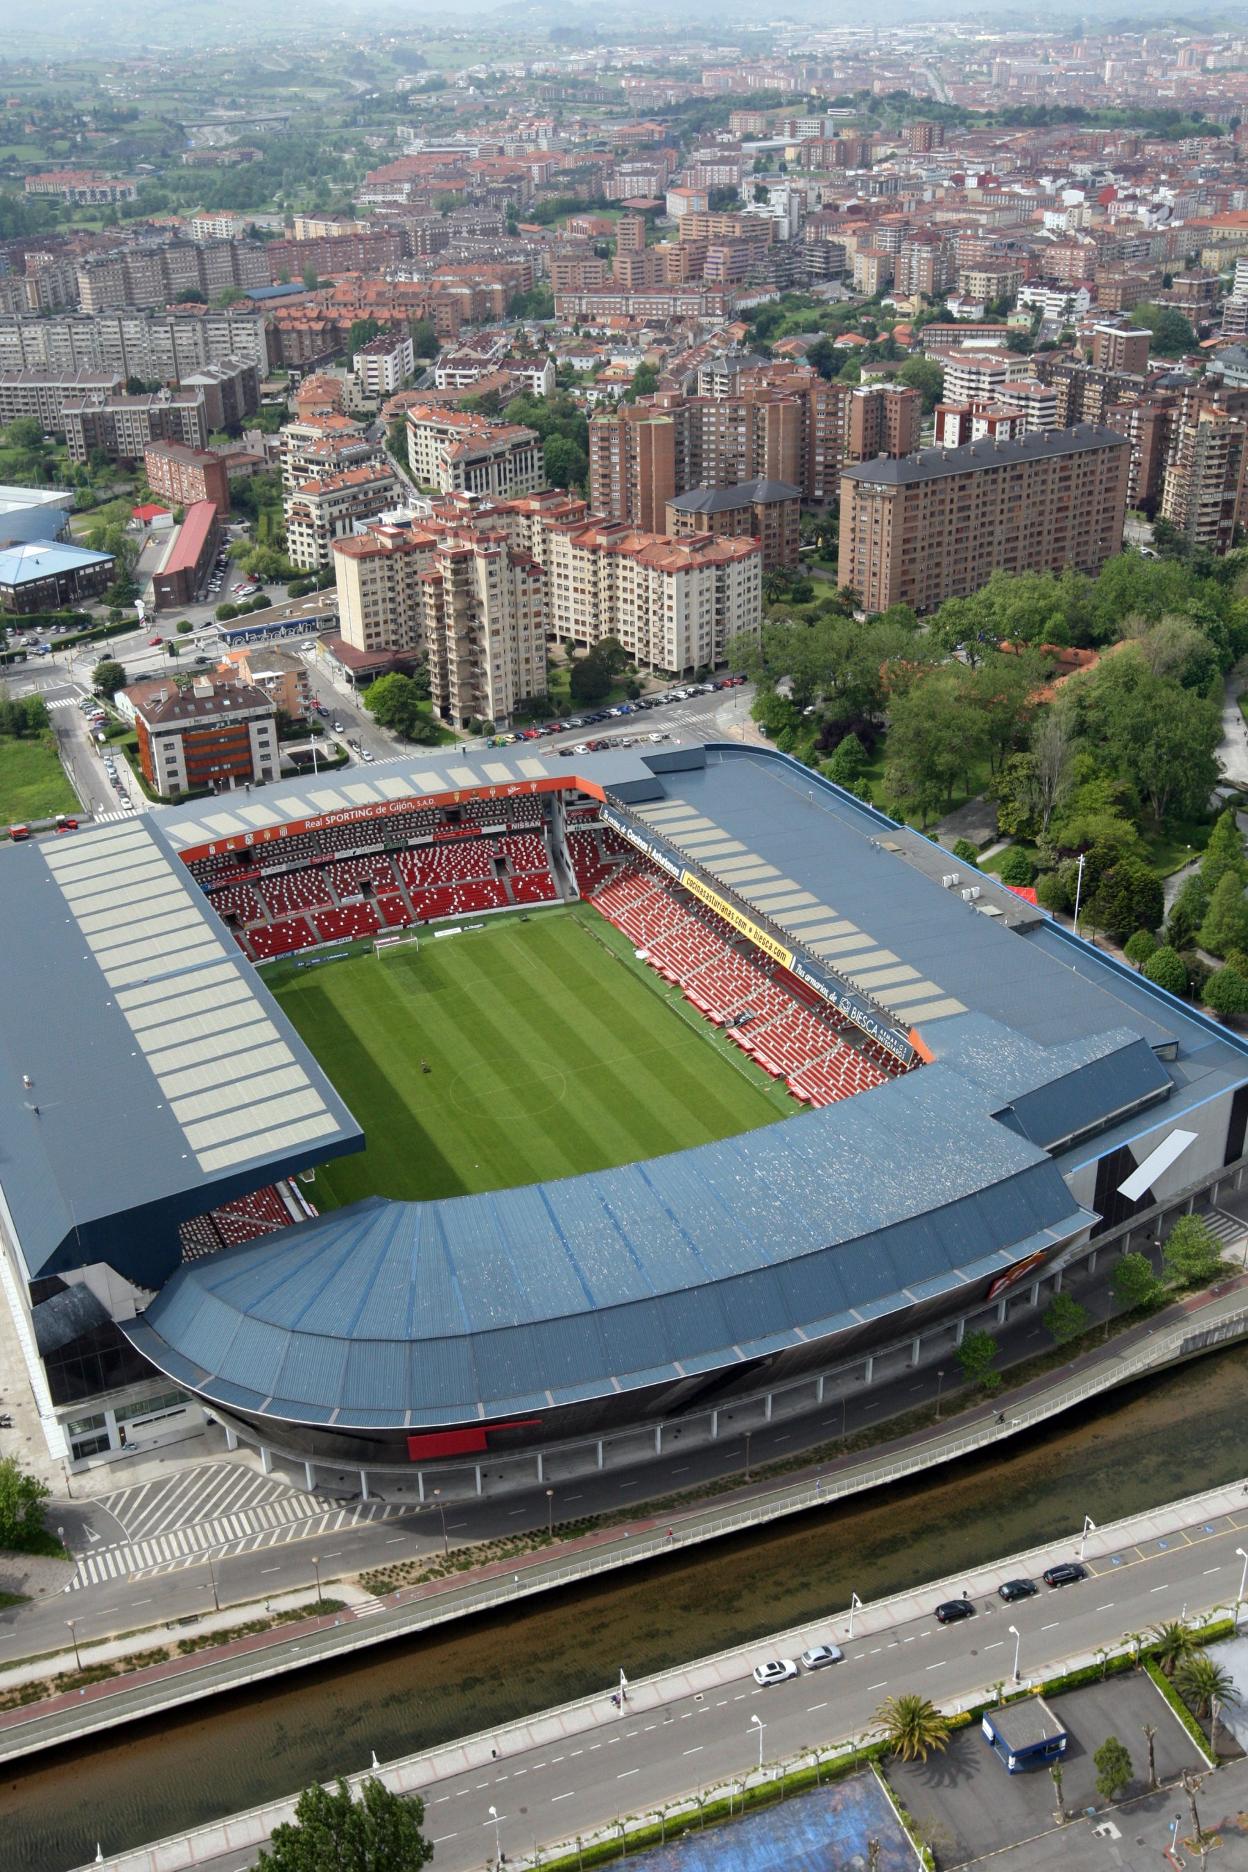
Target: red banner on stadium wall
(388, 809)
(470, 1442)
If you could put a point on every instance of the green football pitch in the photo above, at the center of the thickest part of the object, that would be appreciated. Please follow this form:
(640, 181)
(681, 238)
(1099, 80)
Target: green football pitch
(549, 1053)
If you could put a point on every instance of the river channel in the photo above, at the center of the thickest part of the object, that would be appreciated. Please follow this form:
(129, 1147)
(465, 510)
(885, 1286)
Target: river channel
(1138, 1448)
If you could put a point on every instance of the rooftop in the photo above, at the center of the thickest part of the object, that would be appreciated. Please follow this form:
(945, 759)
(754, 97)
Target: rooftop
(728, 499)
(31, 560)
(930, 464)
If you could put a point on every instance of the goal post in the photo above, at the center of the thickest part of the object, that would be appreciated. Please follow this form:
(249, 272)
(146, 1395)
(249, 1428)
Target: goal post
(396, 939)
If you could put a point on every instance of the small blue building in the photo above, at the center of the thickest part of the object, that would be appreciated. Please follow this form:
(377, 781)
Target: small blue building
(1025, 1734)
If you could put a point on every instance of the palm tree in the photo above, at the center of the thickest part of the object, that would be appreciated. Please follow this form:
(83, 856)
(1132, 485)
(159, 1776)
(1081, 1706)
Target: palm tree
(914, 1727)
(1173, 1643)
(1201, 1679)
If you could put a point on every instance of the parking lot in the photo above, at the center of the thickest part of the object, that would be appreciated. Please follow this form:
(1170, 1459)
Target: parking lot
(970, 1808)
(622, 711)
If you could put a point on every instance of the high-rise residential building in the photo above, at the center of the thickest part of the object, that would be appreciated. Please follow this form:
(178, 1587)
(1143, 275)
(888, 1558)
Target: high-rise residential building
(633, 462)
(479, 590)
(1120, 348)
(458, 452)
(884, 419)
(153, 274)
(1085, 392)
(318, 512)
(1149, 424)
(156, 346)
(43, 394)
(768, 511)
(936, 525)
(384, 364)
(121, 426)
(1204, 491)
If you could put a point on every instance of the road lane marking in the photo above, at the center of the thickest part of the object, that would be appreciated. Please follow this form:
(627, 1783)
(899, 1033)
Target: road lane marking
(994, 1646)
(1106, 1608)
(878, 1686)
(938, 1665)
(692, 1751)
(559, 1797)
(1160, 1588)
(1052, 1627)
(812, 1707)
(627, 1771)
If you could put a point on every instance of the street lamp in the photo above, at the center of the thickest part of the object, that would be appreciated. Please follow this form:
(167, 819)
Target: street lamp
(498, 1851)
(940, 1385)
(747, 1455)
(1014, 1634)
(1089, 1527)
(855, 1604)
(74, 1639)
(550, 1514)
(216, 1603)
(316, 1567)
(760, 1725)
(437, 1496)
(1241, 1554)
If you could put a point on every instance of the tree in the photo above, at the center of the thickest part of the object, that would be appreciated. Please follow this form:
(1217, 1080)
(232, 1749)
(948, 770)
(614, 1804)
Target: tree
(1135, 1285)
(1226, 921)
(1113, 1768)
(1168, 970)
(1226, 992)
(926, 376)
(914, 1728)
(1202, 1681)
(566, 463)
(1173, 1644)
(424, 338)
(1064, 1318)
(1188, 911)
(1055, 1775)
(1016, 867)
(934, 742)
(1223, 853)
(395, 703)
(976, 1355)
(1150, 1739)
(21, 1505)
(361, 332)
(965, 852)
(379, 1832)
(1190, 1255)
(848, 761)
(1128, 897)
(108, 677)
(1172, 335)
(1140, 947)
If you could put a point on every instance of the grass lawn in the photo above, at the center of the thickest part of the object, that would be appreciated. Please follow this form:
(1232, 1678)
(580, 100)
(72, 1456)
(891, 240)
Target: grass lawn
(32, 781)
(550, 1054)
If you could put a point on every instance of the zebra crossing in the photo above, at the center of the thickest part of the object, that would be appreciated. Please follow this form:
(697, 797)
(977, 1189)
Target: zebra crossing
(1227, 1229)
(68, 701)
(220, 1509)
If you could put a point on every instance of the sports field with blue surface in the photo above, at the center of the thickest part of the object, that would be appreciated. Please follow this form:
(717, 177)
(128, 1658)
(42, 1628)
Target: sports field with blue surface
(550, 1051)
(829, 1830)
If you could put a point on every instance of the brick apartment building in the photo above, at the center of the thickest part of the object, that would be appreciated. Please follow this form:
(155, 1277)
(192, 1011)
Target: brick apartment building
(768, 511)
(121, 426)
(184, 573)
(936, 525)
(210, 735)
(186, 475)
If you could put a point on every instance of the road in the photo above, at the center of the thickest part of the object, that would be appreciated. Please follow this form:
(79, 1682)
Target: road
(576, 1770)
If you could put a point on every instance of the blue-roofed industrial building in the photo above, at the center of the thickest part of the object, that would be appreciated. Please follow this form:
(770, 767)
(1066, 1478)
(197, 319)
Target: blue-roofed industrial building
(48, 574)
(1051, 1096)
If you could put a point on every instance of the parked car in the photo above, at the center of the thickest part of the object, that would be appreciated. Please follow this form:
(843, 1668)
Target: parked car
(1012, 1589)
(1065, 1573)
(154, 643)
(776, 1670)
(949, 1611)
(820, 1655)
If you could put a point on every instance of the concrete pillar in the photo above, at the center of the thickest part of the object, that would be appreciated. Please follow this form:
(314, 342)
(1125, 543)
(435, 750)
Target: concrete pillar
(1001, 1305)
(658, 1439)
(1057, 1281)
(1092, 1262)
(309, 1476)
(266, 1460)
(420, 1485)
(541, 1473)
(364, 1495)
(476, 1470)
(959, 1331)
(767, 1408)
(819, 1389)
(1033, 1294)
(916, 1346)
(231, 1437)
(869, 1370)
(598, 1446)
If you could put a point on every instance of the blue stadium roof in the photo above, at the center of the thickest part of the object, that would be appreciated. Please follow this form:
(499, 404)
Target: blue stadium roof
(420, 1313)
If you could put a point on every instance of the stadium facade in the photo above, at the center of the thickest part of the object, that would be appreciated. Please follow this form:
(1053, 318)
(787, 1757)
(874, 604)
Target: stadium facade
(1028, 1096)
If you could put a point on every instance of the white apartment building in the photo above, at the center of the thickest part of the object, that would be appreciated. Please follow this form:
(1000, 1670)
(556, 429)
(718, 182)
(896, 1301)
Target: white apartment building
(319, 512)
(384, 364)
(457, 452)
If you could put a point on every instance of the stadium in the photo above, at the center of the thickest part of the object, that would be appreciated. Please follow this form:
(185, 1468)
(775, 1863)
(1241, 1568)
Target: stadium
(490, 1101)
